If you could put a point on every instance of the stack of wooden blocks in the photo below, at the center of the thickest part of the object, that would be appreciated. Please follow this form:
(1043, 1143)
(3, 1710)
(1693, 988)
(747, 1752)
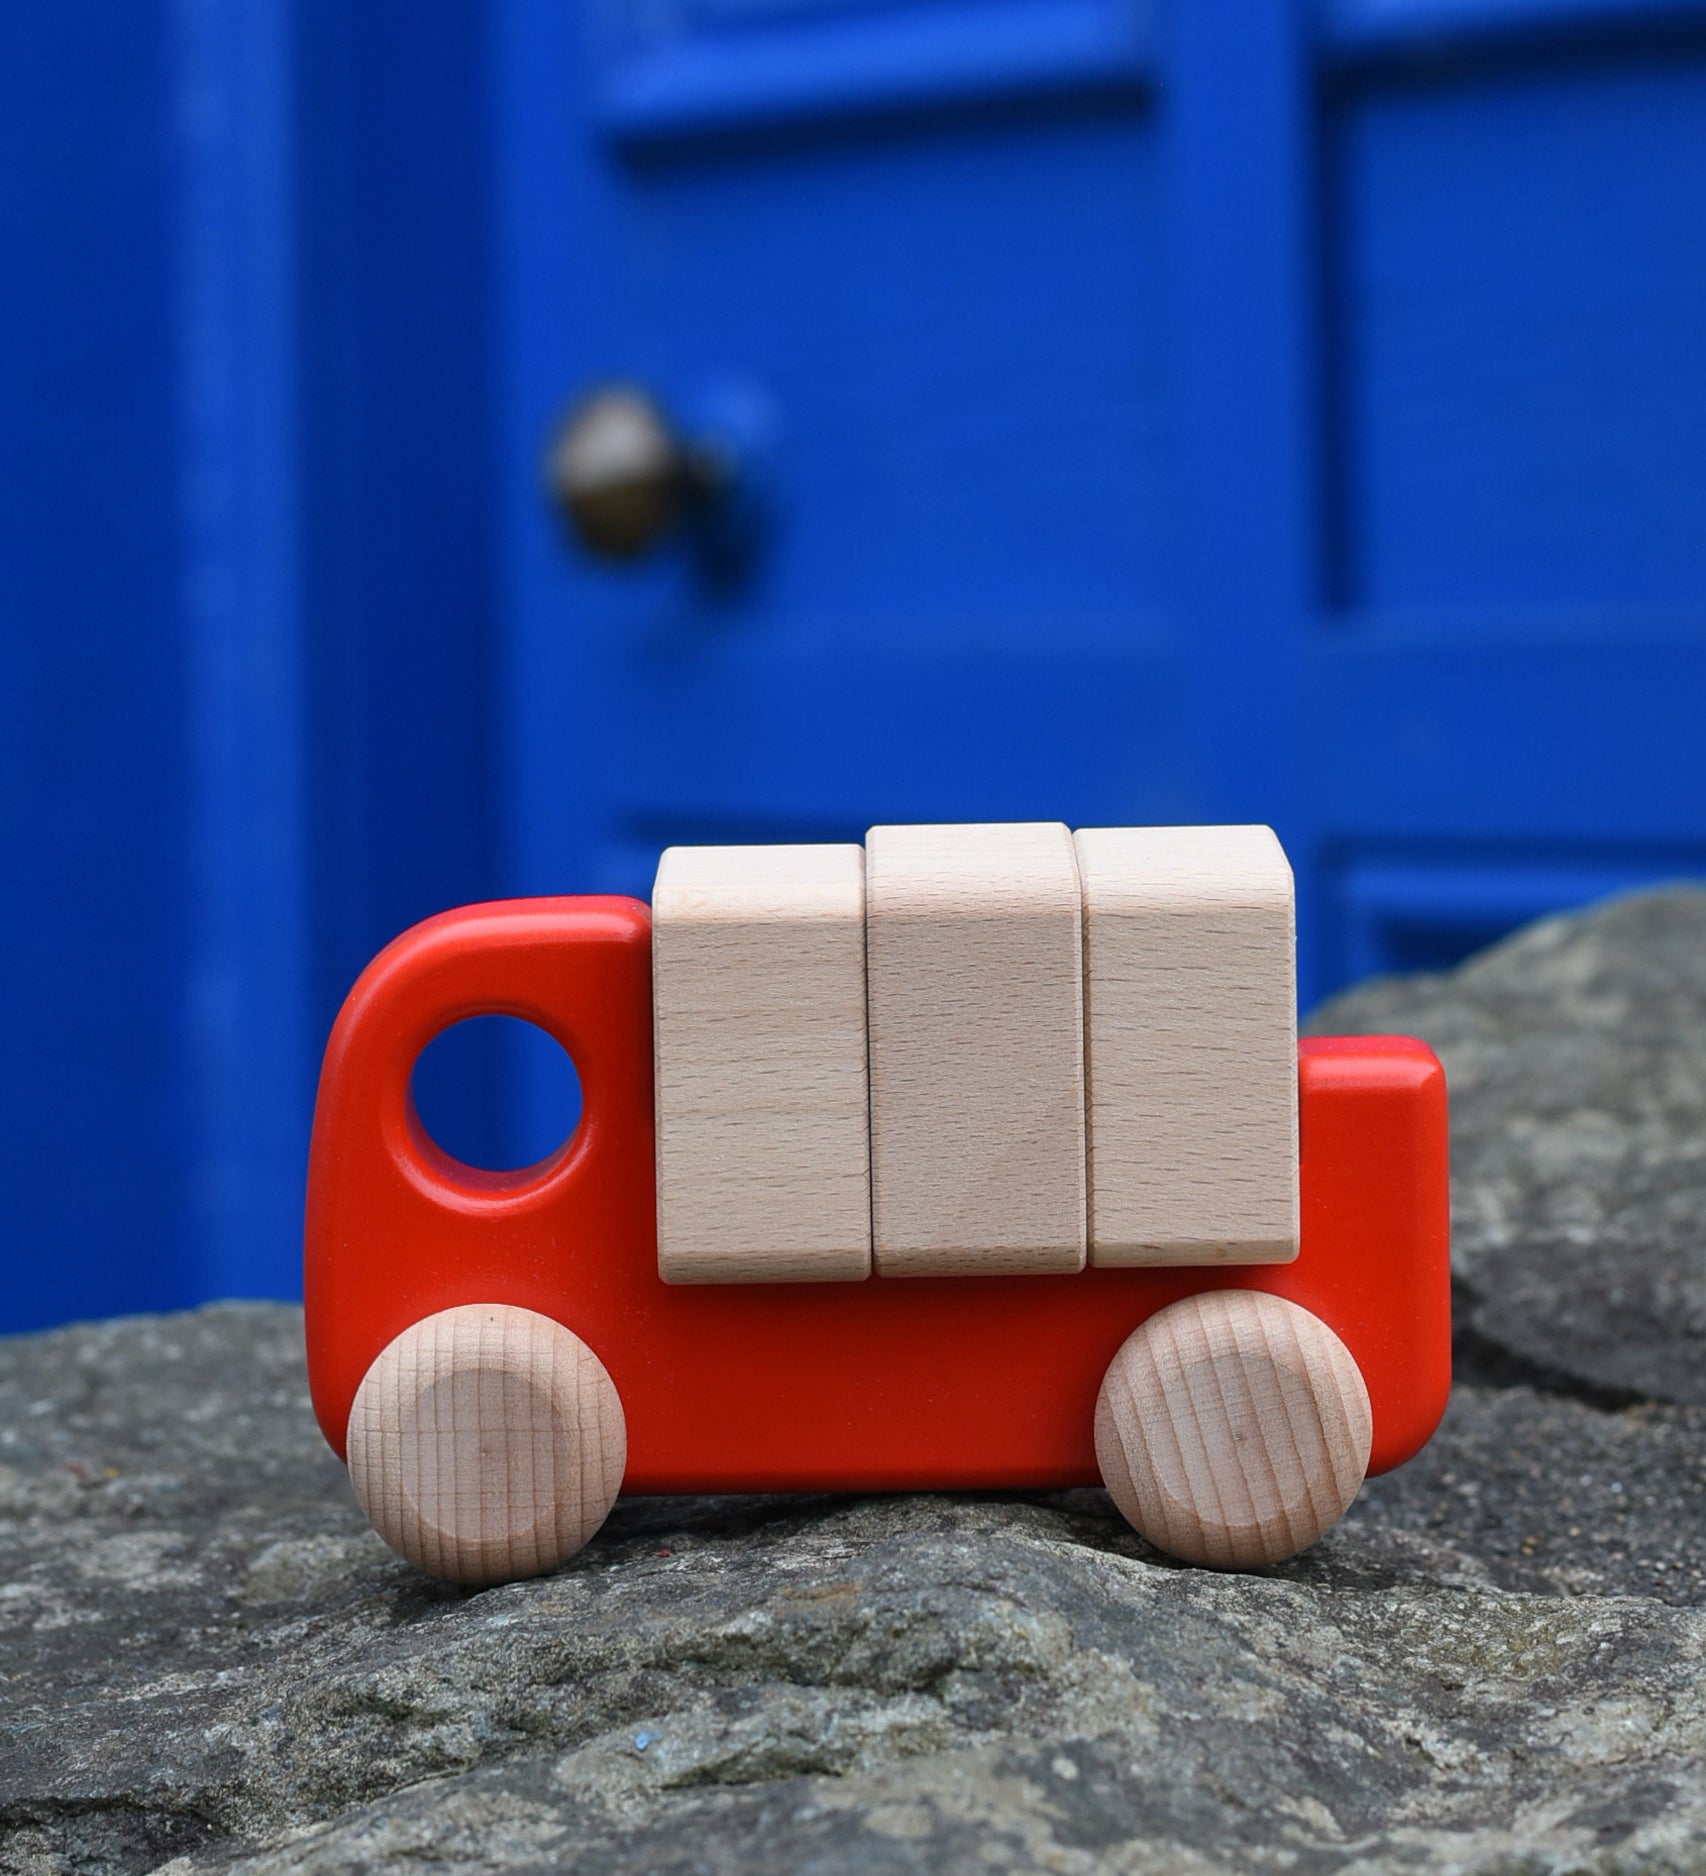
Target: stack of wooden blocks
(975, 1050)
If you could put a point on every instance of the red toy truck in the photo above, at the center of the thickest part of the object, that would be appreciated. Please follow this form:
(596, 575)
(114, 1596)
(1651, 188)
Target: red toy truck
(496, 1355)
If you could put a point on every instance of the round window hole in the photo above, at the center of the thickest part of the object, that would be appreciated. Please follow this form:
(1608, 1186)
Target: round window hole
(497, 1093)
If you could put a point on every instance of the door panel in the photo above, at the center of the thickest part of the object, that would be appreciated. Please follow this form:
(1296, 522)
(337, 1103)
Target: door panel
(940, 328)
(1512, 648)
(1236, 413)
(1441, 733)
(698, 68)
(994, 732)
(1521, 284)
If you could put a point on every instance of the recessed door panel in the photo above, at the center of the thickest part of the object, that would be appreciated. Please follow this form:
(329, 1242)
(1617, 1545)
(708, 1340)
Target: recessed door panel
(1293, 416)
(926, 321)
(1520, 296)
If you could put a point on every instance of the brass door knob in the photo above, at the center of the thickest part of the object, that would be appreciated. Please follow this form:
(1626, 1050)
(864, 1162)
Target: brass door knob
(621, 477)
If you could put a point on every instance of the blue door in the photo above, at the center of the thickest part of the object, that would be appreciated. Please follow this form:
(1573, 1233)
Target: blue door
(1220, 410)
(1230, 413)
(1237, 415)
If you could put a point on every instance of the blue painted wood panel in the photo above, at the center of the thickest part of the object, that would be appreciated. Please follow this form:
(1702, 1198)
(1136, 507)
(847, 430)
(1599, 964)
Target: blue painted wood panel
(1521, 261)
(675, 77)
(245, 583)
(1220, 411)
(1512, 649)
(1241, 412)
(95, 787)
(945, 576)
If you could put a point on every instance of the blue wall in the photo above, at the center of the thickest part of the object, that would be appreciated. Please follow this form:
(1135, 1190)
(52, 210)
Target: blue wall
(245, 735)
(95, 774)
(1445, 391)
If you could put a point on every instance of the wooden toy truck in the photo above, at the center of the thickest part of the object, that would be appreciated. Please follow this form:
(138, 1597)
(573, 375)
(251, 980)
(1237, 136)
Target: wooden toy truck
(980, 1157)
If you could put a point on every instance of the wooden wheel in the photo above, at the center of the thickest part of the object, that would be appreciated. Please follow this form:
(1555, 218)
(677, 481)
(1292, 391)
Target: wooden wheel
(1233, 1429)
(487, 1443)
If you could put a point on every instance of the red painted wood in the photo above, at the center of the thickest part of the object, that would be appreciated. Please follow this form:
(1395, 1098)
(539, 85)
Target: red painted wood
(891, 1383)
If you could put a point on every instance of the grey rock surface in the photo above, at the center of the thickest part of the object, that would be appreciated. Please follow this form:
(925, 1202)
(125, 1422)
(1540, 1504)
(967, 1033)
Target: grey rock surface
(1576, 1058)
(207, 1662)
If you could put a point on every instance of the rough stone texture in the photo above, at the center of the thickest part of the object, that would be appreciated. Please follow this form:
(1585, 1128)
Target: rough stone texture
(1576, 1056)
(208, 1663)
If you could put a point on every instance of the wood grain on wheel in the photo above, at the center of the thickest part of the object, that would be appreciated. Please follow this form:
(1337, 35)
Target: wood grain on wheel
(1233, 1429)
(487, 1443)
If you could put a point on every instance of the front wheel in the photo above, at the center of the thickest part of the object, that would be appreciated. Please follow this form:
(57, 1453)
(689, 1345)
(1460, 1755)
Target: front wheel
(1233, 1429)
(487, 1443)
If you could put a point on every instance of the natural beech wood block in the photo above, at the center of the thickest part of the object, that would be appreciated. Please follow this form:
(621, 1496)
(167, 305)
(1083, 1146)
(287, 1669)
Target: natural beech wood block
(1191, 1026)
(977, 1049)
(1233, 1429)
(487, 1443)
(763, 1142)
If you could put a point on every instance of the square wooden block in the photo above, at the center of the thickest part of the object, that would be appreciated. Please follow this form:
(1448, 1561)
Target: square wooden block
(763, 1144)
(977, 1049)
(1191, 1006)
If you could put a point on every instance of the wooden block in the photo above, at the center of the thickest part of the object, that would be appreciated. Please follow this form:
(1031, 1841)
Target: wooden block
(1191, 1050)
(487, 1443)
(1233, 1428)
(763, 1141)
(977, 1049)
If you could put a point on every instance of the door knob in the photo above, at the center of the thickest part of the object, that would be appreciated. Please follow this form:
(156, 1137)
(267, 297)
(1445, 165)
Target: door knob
(622, 478)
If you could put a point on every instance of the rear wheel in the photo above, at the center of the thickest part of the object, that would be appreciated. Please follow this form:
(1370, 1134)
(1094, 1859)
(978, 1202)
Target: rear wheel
(487, 1443)
(1233, 1429)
